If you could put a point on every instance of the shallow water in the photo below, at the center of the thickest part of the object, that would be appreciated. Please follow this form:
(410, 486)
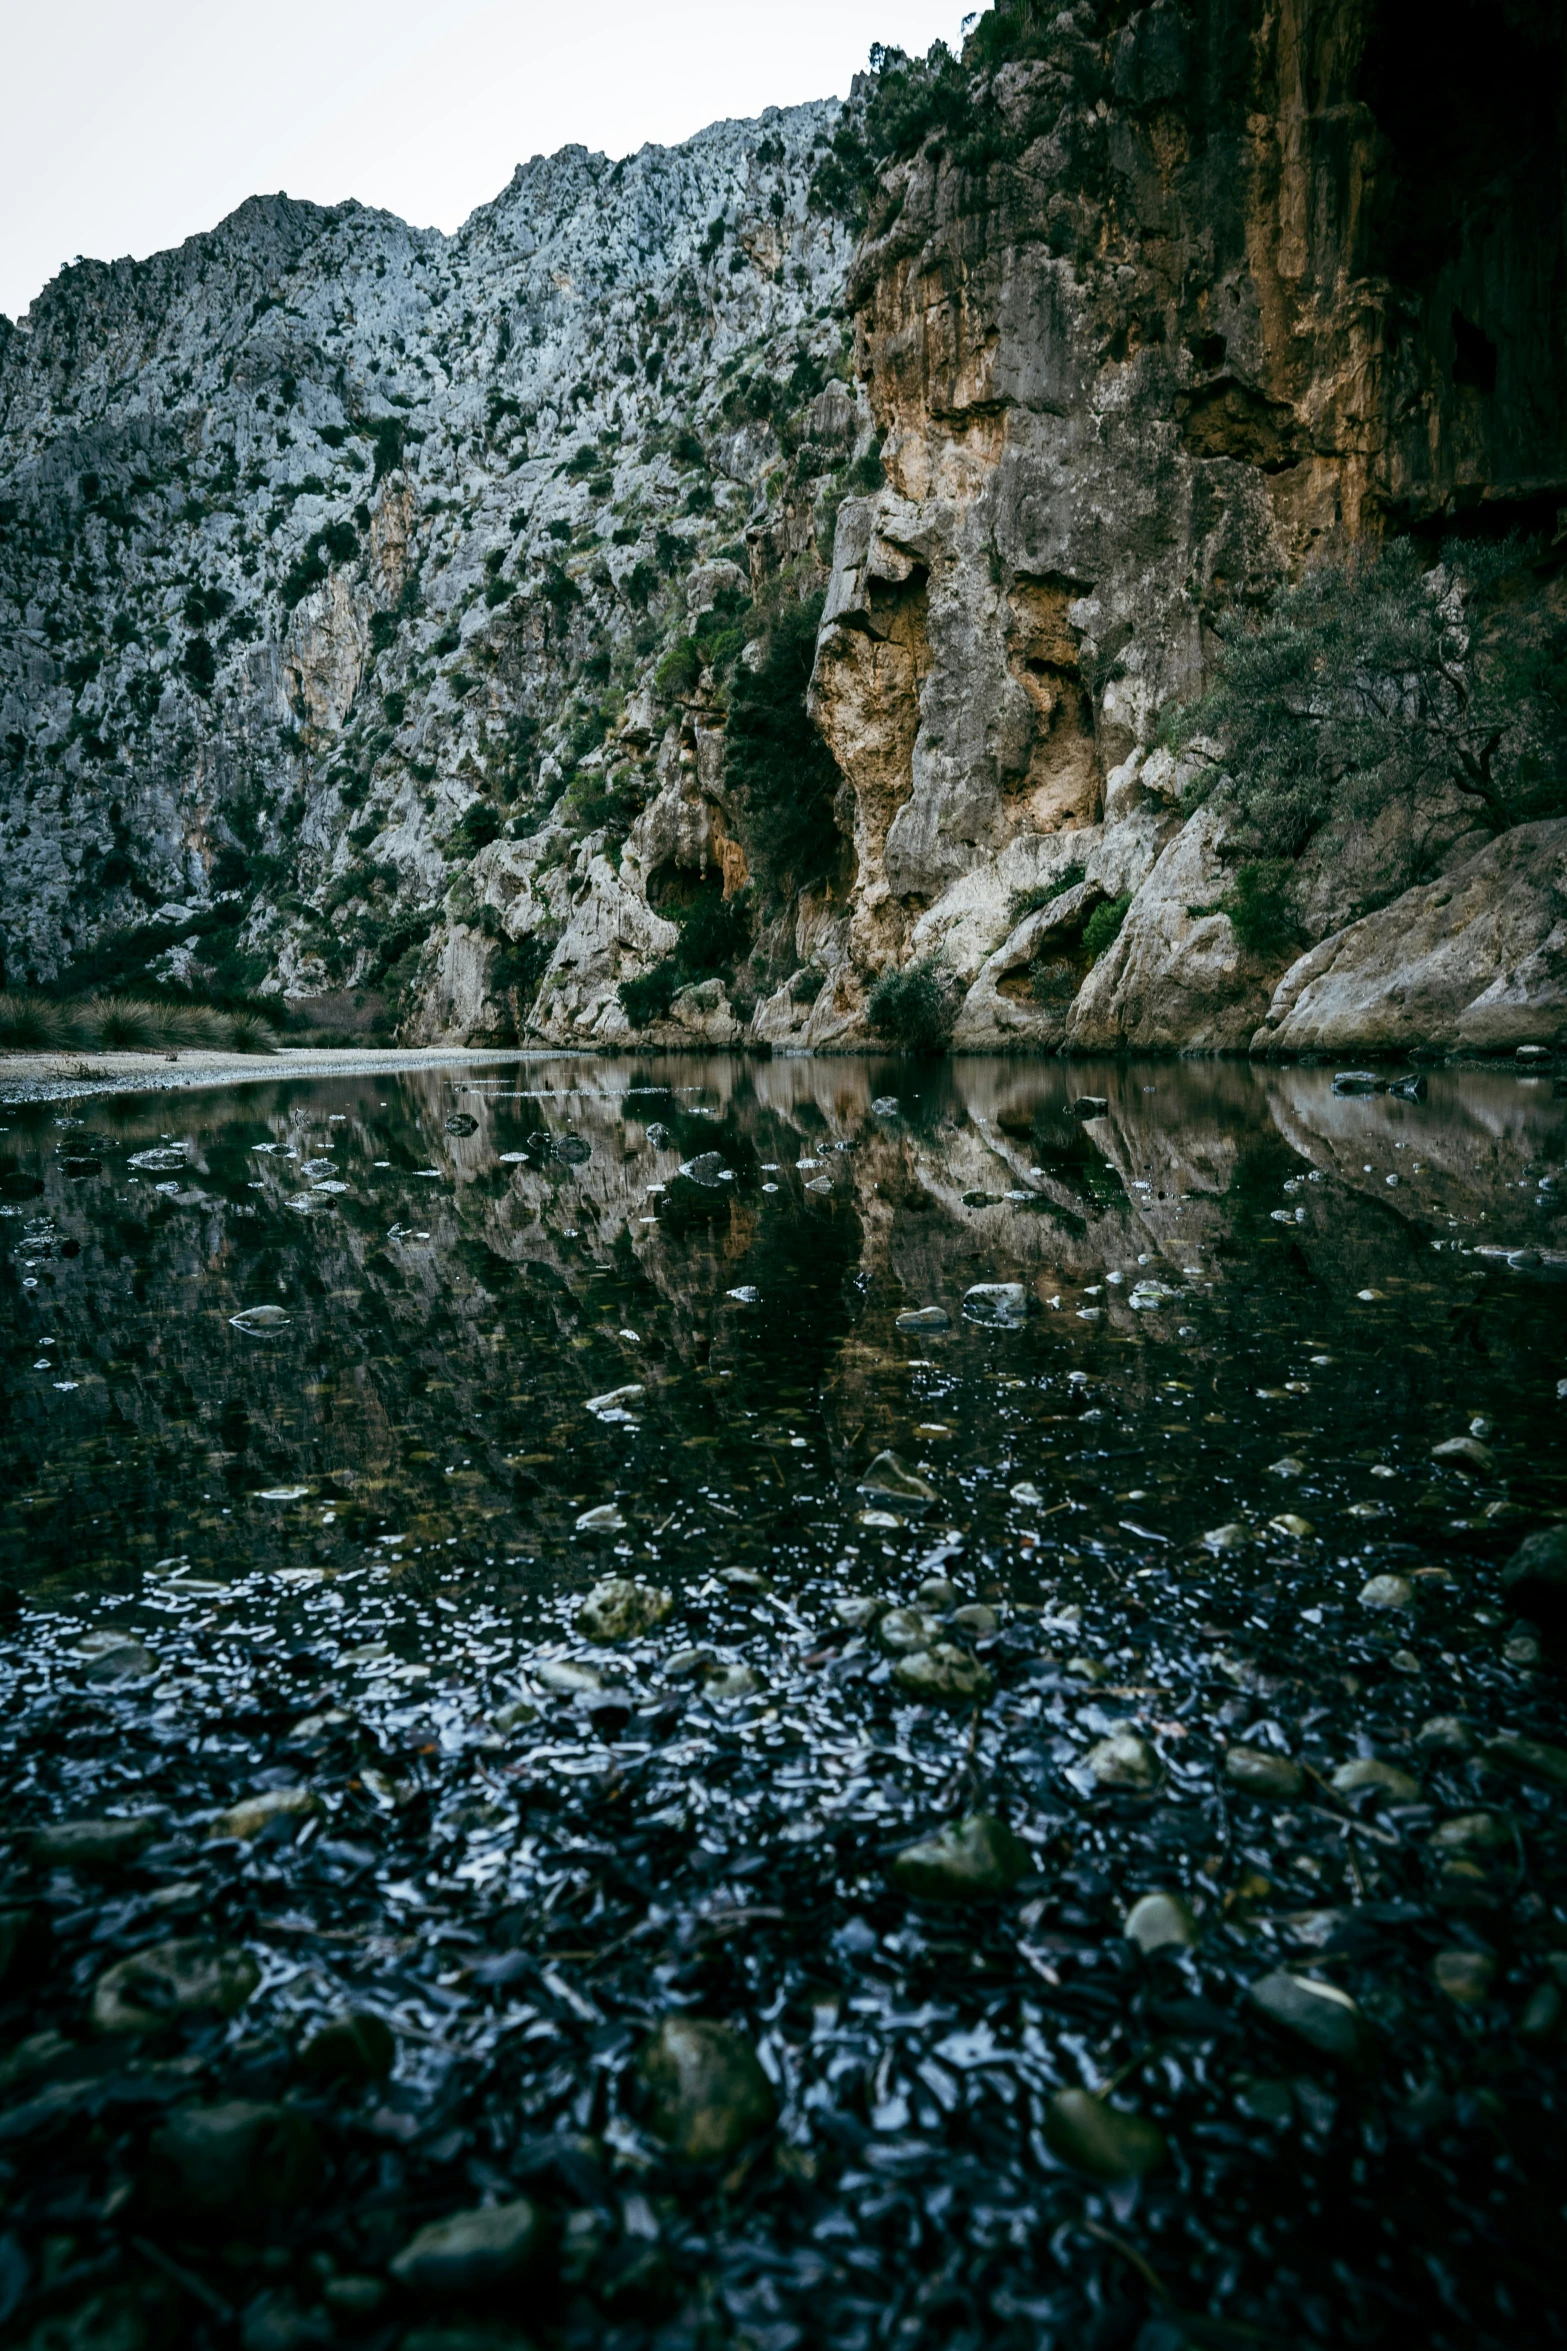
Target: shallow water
(338, 1545)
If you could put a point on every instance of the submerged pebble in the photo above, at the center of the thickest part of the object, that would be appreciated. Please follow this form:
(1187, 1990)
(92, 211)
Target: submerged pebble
(708, 2094)
(970, 1860)
(1100, 2139)
(1161, 1922)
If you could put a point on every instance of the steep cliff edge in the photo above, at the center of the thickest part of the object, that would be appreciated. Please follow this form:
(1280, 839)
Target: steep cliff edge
(411, 626)
(1237, 287)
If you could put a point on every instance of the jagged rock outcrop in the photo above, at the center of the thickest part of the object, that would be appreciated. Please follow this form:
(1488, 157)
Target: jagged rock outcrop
(1188, 330)
(1477, 961)
(331, 549)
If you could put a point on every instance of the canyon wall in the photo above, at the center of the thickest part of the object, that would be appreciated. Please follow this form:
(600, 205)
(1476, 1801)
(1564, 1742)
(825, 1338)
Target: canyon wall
(380, 604)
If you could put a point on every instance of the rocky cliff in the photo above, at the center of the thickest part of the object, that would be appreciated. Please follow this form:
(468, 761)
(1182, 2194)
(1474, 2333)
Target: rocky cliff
(407, 619)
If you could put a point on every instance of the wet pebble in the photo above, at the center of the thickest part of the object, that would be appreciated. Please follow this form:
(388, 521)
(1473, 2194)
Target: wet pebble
(902, 1630)
(1464, 1453)
(1257, 1771)
(1367, 1771)
(1099, 2139)
(357, 2048)
(890, 1482)
(1386, 1591)
(1536, 1759)
(1319, 2014)
(1471, 1832)
(999, 1306)
(708, 2094)
(970, 1860)
(1161, 1922)
(1124, 1760)
(975, 1619)
(238, 2153)
(154, 1987)
(274, 1813)
(605, 1519)
(1465, 1976)
(924, 1318)
(470, 2252)
(618, 1609)
(92, 1844)
(943, 1675)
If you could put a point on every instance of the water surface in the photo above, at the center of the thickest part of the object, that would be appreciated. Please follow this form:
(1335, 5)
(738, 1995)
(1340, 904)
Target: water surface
(327, 1404)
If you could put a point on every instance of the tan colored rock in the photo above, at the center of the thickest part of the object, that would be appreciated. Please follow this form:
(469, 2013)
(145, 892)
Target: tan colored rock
(1477, 959)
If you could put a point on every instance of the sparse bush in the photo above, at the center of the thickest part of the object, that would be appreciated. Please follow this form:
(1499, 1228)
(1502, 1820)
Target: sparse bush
(1258, 905)
(910, 1009)
(1040, 894)
(1053, 981)
(782, 770)
(677, 674)
(1389, 681)
(126, 1024)
(807, 985)
(649, 997)
(1103, 926)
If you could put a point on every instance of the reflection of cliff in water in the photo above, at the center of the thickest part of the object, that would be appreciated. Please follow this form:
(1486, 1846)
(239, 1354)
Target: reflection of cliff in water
(455, 1305)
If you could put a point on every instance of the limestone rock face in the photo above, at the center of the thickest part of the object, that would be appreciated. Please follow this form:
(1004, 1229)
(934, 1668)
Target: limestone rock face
(1149, 371)
(343, 548)
(1176, 975)
(1476, 959)
(359, 620)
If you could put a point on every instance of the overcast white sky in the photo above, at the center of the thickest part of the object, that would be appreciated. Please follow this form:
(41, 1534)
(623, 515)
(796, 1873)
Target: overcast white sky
(133, 126)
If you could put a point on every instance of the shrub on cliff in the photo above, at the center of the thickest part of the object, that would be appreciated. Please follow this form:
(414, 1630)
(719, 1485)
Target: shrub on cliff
(715, 933)
(1103, 926)
(910, 1009)
(784, 773)
(1388, 681)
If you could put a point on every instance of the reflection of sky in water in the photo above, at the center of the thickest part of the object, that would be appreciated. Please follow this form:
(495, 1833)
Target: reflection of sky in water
(400, 1296)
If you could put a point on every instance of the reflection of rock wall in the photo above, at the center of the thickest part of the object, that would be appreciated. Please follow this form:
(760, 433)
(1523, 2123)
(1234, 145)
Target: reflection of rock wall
(445, 1331)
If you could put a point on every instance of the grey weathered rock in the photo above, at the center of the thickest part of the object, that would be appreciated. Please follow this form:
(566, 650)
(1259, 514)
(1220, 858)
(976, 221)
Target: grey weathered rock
(708, 2092)
(924, 1318)
(1160, 1922)
(1100, 2139)
(158, 1985)
(943, 1675)
(1319, 2014)
(619, 1609)
(1124, 1760)
(471, 2252)
(970, 1860)
(1475, 959)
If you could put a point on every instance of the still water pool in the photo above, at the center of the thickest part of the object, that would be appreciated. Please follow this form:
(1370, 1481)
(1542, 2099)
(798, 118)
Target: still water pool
(516, 1556)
